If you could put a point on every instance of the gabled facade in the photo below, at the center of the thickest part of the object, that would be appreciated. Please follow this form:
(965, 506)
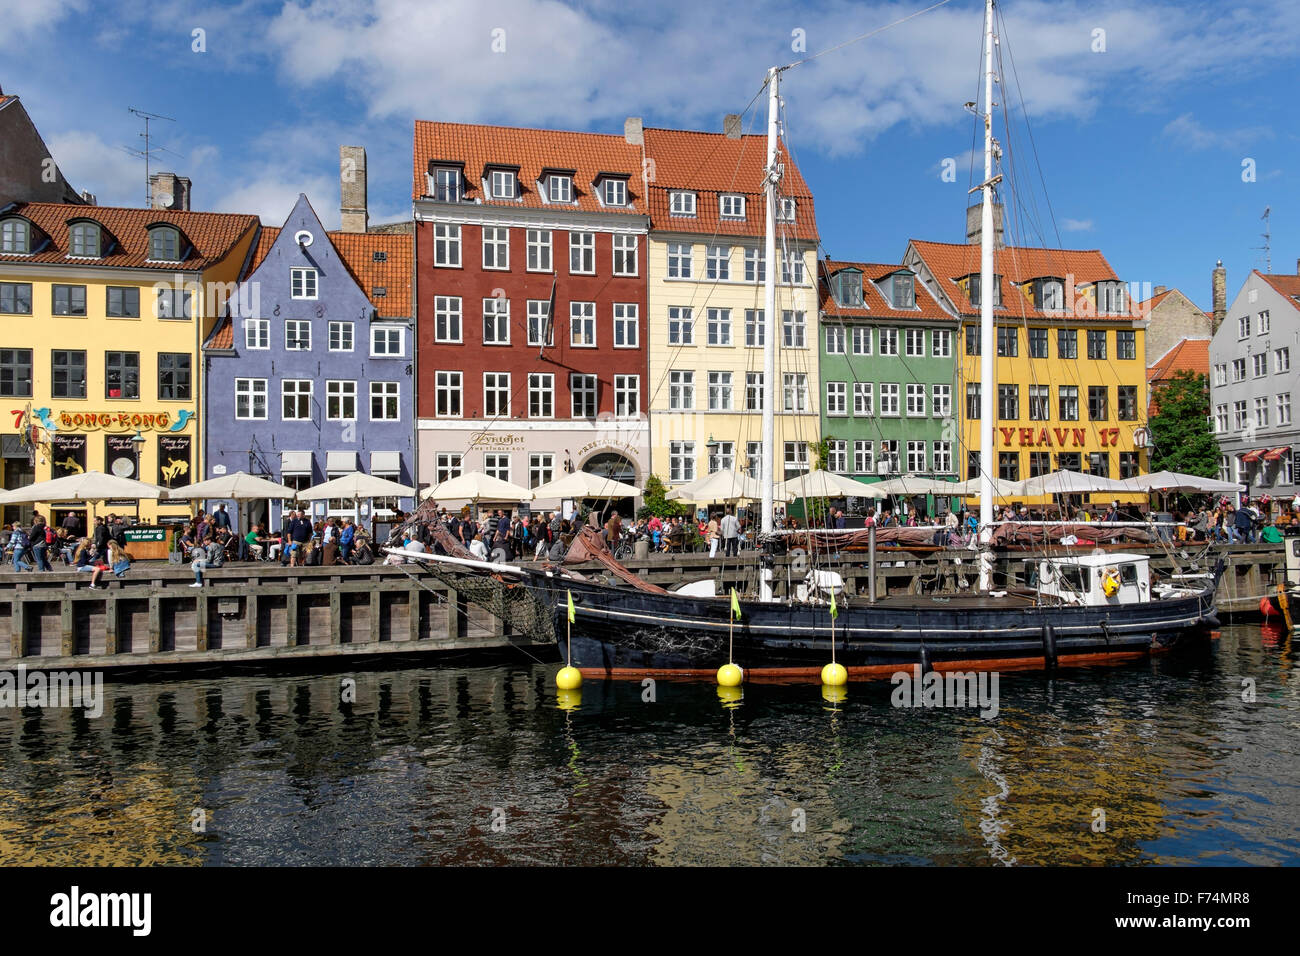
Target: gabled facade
(310, 375)
(27, 171)
(1253, 385)
(1172, 318)
(888, 374)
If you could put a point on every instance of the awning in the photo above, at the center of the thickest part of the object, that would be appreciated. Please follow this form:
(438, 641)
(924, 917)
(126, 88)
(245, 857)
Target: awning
(340, 462)
(1254, 456)
(295, 463)
(1277, 453)
(385, 462)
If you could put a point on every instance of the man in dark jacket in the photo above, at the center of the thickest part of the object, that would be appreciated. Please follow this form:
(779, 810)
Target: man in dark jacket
(1244, 522)
(100, 537)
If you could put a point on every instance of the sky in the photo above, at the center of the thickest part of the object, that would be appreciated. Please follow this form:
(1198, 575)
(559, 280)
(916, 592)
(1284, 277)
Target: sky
(1157, 132)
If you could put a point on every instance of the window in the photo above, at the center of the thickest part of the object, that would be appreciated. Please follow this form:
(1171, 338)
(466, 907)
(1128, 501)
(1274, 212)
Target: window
(614, 192)
(1126, 402)
(1068, 403)
(888, 341)
(340, 401)
(1069, 461)
(722, 456)
(1040, 403)
(582, 253)
(541, 468)
(446, 466)
(1259, 362)
(914, 342)
(541, 333)
(295, 394)
(582, 324)
(1099, 463)
(719, 391)
(847, 288)
(340, 336)
(731, 206)
(496, 321)
(447, 389)
(792, 268)
(1067, 343)
(753, 391)
(941, 400)
(837, 402)
(862, 340)
(1239, 370)
(121, 374)
(173, 304)
(915, 456)
(1264, 323)
(681, 203)
(796, 457)
(915, 401)
(785, 210)
(446, 318)
(755, 265)
(69, 299)
(889, 399)
(755, 328)
(15, 237)
(497, 465)
(1098, 403)
(627, 396)
(559, 188)
(941, 343)
(1281, 361)
(164, 244)
(1261, 411)
(1009, 402)
(16, 373)
(863, 399)
(975, 290)
(1049, 295)
(888, 456)
(582, 392)
(1221, 418)
(626, 317)
(835, 340)
(496, 394)
(122, 302)
(1096, 343)
(68, 373)
(539, 250)
(1284, 408)
(681, 390)
(173, 376)
(1009, 465)
(250, 398)
(386, 341)
(1008, 341)
(625, 260)
(446, 245)
(1038, 343)
(1243, 327)
(679, 260)
(942, 457)
(302, 283)
(83, 240)
(794, 391)
(1128, 464)
(973, 402)
(1239, 414)
(681, 461)
(503, 184)
(1126, 344)
(1040, 463)
(681, 326)
(446, 185)
(717, 262)
(297, 335)
(541, 395)
(837, 458)
(384, 403)
(863, 457)
(1221, 373)
(972, 464)
(973, 345)
(1110, 298)
(496, 248)
(719, 326)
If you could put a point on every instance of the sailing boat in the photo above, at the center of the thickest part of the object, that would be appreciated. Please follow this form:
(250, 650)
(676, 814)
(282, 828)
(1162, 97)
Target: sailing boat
(1082, 608)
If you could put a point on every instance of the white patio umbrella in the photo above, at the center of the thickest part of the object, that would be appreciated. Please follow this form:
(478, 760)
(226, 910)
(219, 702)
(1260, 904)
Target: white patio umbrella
(237, 486)
(1177, 481)
(477, 486)
(1072, 483)
(86, 486)
(1002, 488)
(822, 484)
(724, 485)
(584, 484)
(355, 486)
(912, 485)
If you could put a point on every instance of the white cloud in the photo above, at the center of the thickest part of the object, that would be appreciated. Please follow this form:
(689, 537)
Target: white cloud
(112, 174)
(1186, 131)
(24, 20)
(1076, 225)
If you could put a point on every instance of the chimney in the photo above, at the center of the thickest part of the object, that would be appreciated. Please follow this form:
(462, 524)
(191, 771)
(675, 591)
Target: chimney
(633, 131)
(974, 222)
(1297, 266)
(352, 189)
(1160, 290)
(731, 125)
(169, 191)
(1220, 294)
(89, 198)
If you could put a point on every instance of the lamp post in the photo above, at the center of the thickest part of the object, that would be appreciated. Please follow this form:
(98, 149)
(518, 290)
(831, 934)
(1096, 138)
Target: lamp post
(137, 442)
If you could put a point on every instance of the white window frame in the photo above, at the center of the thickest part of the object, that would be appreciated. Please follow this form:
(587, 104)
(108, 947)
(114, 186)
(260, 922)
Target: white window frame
(497, 464)
(681, 461)
(335, 390)
(539, 253)
(681, 257)
(541, 395)
(559, 188)
(941, 343)
(915, 457)
(864, 457)
(587, 387)
(681, 325)
(304, 283)
(338, 330)
(794, 392)
(386, 332)
(941, 400)
(582, 248)
(613, 192)
(754, 391)
(446, 245)
(862, 340)
(717, 263)
(864, 399)
(914, 343)
(888, 342)
(447, 465)
(257, 334)
(303, 327)
(446, 311)
(627, 396)
(626, 255)
(889, 400)
(297, 394)
(502, 184)
(837, 402)
(250, 389)
(718, 327)
(541, 468)
(582, 318)
(755, 264)
(731, 206)
(496, 240)
(915, 400)
(449, 384)
(836, 339)
(681, 203)
(786, 209)
(496, 394)
(381, 390)
(720, 391)
(793, 329)
(539, 322)
(627, 325)
(1281, 361)
(496, 314)
(681, 390)
(755, 328)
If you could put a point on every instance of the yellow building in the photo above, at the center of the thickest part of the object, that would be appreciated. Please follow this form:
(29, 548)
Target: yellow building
(102, 312)
(1070, 373)
(706, 307)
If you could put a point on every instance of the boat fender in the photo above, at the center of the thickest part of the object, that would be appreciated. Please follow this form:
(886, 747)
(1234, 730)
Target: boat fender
(1049, 647)
(926, 665)
(1110, 582)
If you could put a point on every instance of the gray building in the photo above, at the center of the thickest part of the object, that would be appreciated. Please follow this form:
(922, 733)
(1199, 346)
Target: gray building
(27, 171)
(1254, 382)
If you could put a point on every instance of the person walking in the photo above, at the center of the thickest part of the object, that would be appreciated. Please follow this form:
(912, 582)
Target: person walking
(729, 528)
(219, 517)
(21, 545)
(1244, 523)
(713, 534)
(99, 539)
(40, 543)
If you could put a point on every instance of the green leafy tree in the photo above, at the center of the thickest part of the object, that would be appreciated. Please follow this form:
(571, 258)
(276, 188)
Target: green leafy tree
(1180, 427)
(655, 501)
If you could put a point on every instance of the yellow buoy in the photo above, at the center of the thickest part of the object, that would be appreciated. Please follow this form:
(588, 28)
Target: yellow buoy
(568, 678)
(730, 675)
(835, 695)
(730, 695)
(834, 675)
(568, 699)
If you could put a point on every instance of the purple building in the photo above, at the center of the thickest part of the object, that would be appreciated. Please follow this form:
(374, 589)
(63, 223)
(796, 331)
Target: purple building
(309, 376)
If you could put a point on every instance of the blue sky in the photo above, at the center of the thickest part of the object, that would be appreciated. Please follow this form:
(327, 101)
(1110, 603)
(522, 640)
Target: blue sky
(1141, 129)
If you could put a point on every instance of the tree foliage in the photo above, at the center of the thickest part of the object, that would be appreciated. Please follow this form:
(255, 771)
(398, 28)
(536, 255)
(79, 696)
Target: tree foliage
(1180, 427)
(655, 501)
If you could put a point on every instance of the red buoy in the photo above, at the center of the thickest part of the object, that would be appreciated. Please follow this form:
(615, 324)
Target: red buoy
(1268, 607)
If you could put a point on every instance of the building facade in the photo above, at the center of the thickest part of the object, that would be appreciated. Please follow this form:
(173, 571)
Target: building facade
(531, 304)
(310, 375)
(1253, 384)
(102, 312)
(1172, 319)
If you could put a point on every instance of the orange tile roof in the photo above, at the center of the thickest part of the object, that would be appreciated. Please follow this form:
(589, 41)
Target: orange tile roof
(1287, 285)
(532, 150)
(1190, 354)
(1148, 304)
(211, 235)
(356, 250)
(877, 306)
(1016, 265)
(223, 336)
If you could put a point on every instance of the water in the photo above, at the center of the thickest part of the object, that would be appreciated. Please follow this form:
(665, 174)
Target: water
(479, 766)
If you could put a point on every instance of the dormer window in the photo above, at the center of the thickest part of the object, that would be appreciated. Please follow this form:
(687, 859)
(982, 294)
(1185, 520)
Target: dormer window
(847, 288)
(1049, 295)
(83, 240)
(732, 206)
(502, 184)
(974, 293)
(785, 210)
(614, 192)
(902, 290)
(559, 188)
(1111, 298)
(15, 237)
(682, 203)
(446, 184)
(164, 244)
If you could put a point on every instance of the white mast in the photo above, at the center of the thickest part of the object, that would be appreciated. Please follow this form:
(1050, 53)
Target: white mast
(987, 383)
(769, 317)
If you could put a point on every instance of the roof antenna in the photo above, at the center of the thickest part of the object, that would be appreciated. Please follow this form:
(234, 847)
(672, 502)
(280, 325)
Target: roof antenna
(147, 152)
(1268, 255)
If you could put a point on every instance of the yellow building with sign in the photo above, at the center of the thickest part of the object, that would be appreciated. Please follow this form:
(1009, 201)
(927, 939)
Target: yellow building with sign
(102, 312)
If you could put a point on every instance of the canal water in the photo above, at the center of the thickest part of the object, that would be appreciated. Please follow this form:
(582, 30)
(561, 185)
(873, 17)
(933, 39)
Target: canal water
(1185, 759)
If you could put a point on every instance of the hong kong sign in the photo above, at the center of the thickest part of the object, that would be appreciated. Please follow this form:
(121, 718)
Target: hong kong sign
(114, 421)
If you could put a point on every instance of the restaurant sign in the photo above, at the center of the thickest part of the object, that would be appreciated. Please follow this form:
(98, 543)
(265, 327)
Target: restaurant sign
(124, 421)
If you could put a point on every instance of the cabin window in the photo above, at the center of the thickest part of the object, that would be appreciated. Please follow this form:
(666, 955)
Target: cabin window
(1128, 575)
(1075, 578)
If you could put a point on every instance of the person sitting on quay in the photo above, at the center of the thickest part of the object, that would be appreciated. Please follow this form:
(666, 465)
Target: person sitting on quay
(82, 556)
(253, 542)
(216, 552)
(1270, 534)
(115, 559)
(198, 561)
(478, 548)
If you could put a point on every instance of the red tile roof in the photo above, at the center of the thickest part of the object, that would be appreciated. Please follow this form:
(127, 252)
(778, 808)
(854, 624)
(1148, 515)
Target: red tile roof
(877, 306)
(1190, 354)
(1016, 265)
(211, 235)
(1287, 285)
(532, 150)
(357, 251)
(223, 336)
(1148, 304)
